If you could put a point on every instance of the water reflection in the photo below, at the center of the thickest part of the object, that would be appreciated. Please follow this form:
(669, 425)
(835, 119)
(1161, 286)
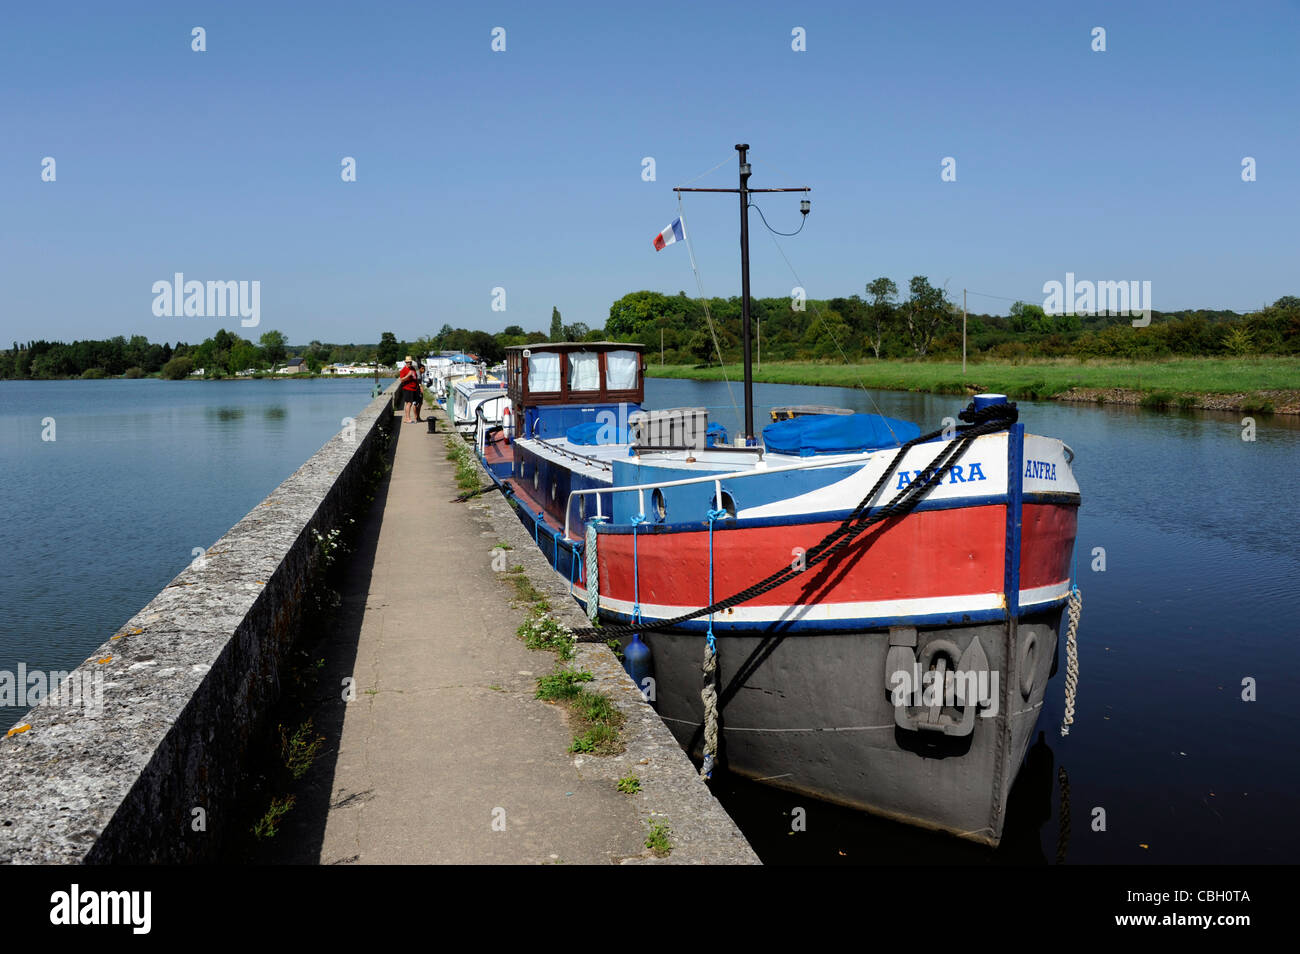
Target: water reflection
(146, 471)
(838, 835)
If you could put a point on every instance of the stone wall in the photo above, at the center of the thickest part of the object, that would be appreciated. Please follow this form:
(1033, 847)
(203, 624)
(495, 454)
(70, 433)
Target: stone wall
(186, 683)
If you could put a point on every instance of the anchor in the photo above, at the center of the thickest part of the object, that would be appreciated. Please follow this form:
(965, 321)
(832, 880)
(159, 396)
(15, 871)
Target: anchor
(966, 687)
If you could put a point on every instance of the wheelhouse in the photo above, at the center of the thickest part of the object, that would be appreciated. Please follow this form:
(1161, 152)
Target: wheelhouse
(556, 385)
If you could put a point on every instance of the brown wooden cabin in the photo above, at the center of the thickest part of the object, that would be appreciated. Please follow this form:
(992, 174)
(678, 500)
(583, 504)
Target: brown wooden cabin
(533, 380)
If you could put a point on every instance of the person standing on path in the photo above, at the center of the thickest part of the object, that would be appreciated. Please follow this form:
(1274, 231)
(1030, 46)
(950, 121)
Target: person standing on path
(409, 386)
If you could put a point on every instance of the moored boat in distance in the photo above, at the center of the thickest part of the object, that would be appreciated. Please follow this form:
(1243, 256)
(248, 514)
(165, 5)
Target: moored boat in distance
(886, 604)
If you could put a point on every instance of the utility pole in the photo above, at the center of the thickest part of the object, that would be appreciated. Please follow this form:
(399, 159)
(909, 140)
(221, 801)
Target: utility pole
(744, 192)
(963, 336)
(661, 347)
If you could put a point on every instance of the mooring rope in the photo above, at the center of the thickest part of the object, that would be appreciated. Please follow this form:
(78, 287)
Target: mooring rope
(709, 691)
(637, 520)
(593, 572)
(1072, 658)
(979, 422)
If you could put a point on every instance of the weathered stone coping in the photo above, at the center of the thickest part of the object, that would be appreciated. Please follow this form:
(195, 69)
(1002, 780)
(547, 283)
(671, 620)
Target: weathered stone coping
(186, 684)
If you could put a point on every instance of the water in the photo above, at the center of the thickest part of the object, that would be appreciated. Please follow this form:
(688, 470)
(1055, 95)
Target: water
(97, 521)
(1199, 527)
(1201, 533)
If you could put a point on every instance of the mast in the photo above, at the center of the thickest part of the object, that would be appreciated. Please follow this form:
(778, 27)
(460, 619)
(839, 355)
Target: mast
(744, 191)
(743, 148)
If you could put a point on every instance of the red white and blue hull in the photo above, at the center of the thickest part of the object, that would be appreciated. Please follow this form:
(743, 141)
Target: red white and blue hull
(975, 578)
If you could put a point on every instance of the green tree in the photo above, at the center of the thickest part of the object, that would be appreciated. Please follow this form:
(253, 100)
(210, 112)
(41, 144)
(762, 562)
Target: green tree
(177, 368)
(633, 311)
(881, 313)
(389, 351)
(1029, 318)
(274, 345)
(924, 313)
(244, 356)
(701, 347)
(1238, 341)
(557, 325)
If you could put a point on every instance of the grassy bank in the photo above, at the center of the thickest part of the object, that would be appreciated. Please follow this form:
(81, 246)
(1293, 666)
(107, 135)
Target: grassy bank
(1258, 384)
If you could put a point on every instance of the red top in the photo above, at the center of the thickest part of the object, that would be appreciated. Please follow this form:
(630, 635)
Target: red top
(408, 376)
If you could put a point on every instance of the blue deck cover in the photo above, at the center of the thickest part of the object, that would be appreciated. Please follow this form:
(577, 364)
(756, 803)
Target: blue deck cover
(596, 432)
(813, 434)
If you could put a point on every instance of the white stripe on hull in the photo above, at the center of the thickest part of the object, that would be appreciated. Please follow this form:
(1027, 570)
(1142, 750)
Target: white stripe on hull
(869, 609)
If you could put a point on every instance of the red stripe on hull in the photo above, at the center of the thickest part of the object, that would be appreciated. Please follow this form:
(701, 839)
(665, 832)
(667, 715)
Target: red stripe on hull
(1047, 533)
(926, 554)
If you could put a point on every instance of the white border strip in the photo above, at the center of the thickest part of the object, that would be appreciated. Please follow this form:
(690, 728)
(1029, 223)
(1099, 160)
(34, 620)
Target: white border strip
(862, 609)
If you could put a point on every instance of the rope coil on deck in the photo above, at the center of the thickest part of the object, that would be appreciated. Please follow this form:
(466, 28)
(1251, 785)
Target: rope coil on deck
(987, 420)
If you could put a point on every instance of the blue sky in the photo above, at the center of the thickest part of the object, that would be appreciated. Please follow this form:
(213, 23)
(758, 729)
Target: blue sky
(522, 169)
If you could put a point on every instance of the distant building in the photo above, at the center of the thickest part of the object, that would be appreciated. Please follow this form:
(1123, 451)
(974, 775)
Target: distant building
(295, 366)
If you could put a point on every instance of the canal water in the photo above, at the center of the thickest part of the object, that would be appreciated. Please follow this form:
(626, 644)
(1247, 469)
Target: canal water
(1200, 531)
(98, 519)
(1199, 599)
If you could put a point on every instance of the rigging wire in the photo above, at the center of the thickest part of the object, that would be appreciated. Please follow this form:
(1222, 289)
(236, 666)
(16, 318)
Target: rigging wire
(803, 221)
(699, 284)
(703, 174)
(830, 334)
(999, 297)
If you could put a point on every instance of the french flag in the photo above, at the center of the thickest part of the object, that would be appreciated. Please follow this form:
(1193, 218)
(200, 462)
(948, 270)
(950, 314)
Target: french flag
(669, 235)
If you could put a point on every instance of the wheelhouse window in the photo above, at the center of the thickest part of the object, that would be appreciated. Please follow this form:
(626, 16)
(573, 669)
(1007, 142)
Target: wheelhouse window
(544, 371)
(584, 371)
(621, 369)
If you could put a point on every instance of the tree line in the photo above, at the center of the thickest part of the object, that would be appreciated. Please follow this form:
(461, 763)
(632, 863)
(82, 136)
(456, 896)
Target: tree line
(884, 324)
(225, 354)
(880, 324)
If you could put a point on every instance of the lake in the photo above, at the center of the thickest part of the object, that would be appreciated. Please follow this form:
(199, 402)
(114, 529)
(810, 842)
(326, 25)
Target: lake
(1201, 533)
(139, 473)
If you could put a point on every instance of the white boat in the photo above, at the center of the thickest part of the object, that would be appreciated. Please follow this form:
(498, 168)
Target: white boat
(477, 405)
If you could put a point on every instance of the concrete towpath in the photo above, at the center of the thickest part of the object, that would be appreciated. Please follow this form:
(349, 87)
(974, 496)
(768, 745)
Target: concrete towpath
(445, 755)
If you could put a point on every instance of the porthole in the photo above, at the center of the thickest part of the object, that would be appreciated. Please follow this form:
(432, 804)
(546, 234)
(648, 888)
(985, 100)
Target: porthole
(728, 504)
(537, 480)
(554, 490)
(582, 507)
(657, 502)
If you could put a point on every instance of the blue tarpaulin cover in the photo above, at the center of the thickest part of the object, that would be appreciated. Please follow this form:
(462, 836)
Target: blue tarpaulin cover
(591, 433)
(813, 434)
